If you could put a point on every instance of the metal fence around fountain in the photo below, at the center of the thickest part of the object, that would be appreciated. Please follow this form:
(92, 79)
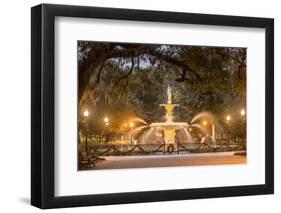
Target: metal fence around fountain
(149, 149)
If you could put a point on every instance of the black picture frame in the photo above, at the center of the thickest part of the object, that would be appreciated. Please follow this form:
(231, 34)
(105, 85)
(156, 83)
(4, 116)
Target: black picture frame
(43, 105)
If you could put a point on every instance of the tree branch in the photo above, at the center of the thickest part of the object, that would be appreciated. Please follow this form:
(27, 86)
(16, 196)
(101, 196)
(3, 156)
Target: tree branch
(151, 51)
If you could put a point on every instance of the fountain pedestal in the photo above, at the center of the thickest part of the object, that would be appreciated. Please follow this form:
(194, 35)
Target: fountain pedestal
(169, 127)
(169, 135)
(169, 111)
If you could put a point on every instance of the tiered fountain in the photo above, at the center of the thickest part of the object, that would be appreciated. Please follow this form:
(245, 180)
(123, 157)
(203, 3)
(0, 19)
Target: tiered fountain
(169, 127)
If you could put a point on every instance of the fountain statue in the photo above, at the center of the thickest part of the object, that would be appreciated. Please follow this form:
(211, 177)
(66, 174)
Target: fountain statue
(169, 106)
(169, 94)
(169, 127)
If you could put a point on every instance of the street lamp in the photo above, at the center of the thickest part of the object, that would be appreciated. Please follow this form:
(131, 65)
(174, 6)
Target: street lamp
(86, 115)
(106, 123)
(213, 132)
(131, 124)
(228, 118)
(243, 113)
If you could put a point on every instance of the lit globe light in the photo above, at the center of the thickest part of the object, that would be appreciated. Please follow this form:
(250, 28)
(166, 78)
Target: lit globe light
(106, 119)
(131, 124)
(190, 129)
(228, 118)
(158, 134)
(242, 112)
(204, 123)
(86, 113)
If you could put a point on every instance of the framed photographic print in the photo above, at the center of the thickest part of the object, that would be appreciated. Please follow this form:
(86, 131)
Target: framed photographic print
(139, 106)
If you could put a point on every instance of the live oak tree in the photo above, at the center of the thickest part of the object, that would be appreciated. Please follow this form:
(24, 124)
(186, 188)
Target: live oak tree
(130, 79)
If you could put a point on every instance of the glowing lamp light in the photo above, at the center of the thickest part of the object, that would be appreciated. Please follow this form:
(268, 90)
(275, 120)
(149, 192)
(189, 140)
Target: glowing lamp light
(131, 124)
(228, 118)
(158, 134)
(242, 112)
(204, 123)
(106, 119)
(86, 113)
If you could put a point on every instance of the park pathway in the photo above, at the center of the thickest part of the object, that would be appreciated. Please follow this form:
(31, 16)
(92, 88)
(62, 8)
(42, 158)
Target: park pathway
(144, 161)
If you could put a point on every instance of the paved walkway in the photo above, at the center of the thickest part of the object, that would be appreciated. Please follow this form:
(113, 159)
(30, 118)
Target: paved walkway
(119, 162)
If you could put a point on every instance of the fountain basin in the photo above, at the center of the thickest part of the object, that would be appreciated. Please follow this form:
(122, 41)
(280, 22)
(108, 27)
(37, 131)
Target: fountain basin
(170, 124)
(169, 129)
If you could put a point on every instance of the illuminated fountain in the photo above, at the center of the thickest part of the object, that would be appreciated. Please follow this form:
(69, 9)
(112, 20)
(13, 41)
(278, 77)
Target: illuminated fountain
(170, 127)
(171, 132)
